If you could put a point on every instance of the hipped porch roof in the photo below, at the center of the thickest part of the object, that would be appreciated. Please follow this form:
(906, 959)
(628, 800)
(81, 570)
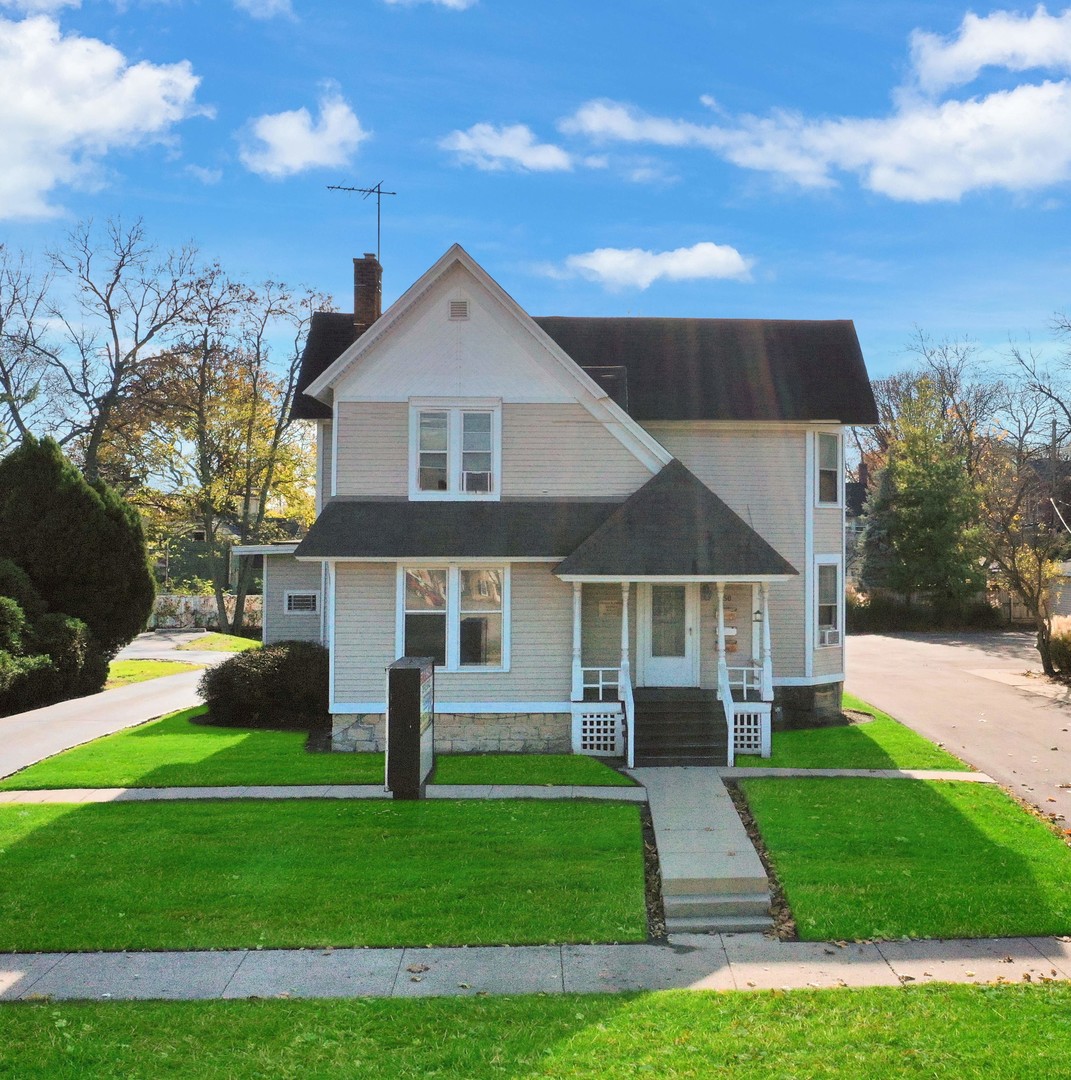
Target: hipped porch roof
(673, 527)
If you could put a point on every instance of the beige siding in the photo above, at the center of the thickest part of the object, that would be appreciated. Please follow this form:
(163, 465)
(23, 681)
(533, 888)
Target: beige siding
(324, 435)
(283, 572)
(562, 450)
(761, 474)
(829, 660)
(364, 629)
(828, 531)
(541, 630)
(541, 620)
(737, 617)
(373, 448)
(600, 625)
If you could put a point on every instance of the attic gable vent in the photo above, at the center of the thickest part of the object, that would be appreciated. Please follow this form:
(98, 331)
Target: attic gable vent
(459, 309)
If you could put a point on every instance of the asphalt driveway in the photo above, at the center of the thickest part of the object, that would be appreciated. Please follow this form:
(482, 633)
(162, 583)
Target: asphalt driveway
(982, 697)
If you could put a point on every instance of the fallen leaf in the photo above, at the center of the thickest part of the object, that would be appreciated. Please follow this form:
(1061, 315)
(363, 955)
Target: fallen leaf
(416, 978)
(416, 969)
(969, 974)
(464, 986)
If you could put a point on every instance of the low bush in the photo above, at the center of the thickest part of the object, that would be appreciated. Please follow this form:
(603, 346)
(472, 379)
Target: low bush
(881, 613)
(80, 665)
(283, 685)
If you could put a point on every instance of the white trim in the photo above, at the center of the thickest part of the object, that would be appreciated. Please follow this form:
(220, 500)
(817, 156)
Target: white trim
(813, 680)
(264, 549)
(656, 579)
(263, 602)
(808, 556)
(454, 409)
(323, 606)
(692, 621)
(329, 608)
(334, 448)
(434, 560)
(481, 707)
(287, 593)
(452, 614)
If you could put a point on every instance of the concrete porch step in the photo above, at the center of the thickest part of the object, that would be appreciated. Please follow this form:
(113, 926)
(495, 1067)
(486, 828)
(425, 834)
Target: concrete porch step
(720, 924)
(701, 905)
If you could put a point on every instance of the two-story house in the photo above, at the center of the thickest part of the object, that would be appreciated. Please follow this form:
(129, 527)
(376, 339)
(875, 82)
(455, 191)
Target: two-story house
(614, 535)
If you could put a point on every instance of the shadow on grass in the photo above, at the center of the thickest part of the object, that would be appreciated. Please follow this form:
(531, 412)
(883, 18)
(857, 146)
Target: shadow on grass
(885, 859)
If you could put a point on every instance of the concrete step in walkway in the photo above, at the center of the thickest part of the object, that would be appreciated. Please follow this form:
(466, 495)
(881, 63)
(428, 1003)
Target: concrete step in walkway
(707, 962)
(712, 877)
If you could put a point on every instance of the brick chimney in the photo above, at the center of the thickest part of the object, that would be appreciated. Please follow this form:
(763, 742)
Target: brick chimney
(367, 292)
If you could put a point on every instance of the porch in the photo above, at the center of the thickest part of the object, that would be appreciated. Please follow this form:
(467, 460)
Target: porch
(671, 672)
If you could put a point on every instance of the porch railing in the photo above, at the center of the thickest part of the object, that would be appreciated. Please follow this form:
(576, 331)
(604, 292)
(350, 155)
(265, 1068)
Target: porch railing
(628, 703)
(748, 680)
(725, 694)
(603, 681)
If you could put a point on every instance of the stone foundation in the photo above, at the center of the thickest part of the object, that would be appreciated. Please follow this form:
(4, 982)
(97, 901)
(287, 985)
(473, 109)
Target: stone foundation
(798, 707)
(466, 733)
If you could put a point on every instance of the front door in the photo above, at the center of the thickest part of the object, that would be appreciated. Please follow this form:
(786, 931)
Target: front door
(668, 635)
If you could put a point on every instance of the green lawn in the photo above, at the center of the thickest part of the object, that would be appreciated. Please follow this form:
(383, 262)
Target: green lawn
(125, 672)
(220, 643)
(942, 1032)
(575, 769)
(178, 752)
(881, 743)
(209, 874)
(862, 858)
(175, 752)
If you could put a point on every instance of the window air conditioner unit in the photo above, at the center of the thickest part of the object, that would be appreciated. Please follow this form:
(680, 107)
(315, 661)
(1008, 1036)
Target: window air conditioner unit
(828, 635)
(476, 481)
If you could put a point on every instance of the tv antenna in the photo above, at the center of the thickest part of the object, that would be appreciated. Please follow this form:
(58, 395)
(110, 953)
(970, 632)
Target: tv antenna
(365, 192)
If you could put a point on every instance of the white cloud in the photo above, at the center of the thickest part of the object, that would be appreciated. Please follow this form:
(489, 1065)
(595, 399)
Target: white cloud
(509, 147)
(286, 143)
(206, 176)
(38, 7)
(265, 9)
(1004, 39)
(454, 5)
(925, 149)
(70, 100)
(621, 268)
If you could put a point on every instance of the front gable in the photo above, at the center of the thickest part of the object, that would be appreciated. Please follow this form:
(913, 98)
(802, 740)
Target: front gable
(457, 335)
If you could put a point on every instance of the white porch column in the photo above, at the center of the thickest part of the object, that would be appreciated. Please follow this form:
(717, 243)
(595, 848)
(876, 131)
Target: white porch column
(626, 667)
(767, 651)
(723, 667)
(578, 671)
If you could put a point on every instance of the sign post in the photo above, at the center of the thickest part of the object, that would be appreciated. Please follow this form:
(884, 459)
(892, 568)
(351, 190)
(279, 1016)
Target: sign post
(410, 725)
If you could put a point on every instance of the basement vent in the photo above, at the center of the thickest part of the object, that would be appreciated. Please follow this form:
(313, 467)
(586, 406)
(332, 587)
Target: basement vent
(459, 309)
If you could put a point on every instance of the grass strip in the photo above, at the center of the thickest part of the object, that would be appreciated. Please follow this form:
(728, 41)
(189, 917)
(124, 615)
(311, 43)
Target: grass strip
(178, 752)
(880, 743)
(909, 858)
(126, 672)
(213, 874)
(550, 769)
(953, 1032)
(219, 643)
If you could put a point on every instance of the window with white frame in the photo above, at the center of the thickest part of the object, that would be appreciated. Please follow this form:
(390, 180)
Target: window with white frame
(301, 602)
(828, 471)
(828, 602)
(458, 615)
(455, 450)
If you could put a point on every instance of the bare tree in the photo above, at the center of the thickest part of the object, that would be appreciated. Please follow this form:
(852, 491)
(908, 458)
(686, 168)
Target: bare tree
(129, 298)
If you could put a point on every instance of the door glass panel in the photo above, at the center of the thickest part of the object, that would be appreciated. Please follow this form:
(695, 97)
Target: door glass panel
(667, 620)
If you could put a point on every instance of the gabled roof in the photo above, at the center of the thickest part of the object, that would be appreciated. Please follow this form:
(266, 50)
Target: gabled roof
(674, 526)
(390, 528)
(727, 369)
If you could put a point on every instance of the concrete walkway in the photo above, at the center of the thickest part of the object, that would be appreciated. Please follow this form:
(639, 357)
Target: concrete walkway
(714, 962)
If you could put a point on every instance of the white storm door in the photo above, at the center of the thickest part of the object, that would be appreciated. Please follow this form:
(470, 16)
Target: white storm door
(669, 635)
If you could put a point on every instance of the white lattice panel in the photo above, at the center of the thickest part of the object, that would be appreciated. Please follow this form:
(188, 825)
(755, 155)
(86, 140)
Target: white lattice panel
(598, 732)
(751, 730)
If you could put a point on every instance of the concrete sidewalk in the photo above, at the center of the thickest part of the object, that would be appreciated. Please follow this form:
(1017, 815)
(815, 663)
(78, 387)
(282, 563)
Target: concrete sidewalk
(710, 962)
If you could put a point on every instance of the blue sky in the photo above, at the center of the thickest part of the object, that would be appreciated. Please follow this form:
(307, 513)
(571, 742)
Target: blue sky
(899, 164)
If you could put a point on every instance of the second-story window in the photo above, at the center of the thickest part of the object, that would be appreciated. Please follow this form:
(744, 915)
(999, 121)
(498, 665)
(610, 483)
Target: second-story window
(828, 469)
(454, 451)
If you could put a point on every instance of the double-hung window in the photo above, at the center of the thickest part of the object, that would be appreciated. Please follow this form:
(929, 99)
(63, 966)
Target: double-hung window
(828, 468)
(458, 615)
(455, 450)
(828, 602)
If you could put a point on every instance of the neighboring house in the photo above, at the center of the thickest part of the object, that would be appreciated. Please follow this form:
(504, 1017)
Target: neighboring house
(604, 530)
